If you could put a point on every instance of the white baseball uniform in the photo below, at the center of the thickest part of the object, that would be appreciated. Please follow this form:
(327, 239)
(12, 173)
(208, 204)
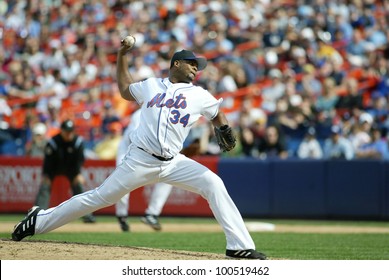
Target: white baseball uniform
(161, 191)
(168, 110)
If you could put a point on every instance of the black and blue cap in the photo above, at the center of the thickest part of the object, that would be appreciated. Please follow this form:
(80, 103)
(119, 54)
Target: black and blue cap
(188, 55)
(67, 125)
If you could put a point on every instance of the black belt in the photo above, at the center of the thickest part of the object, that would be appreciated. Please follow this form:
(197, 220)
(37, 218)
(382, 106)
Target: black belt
(157, 157)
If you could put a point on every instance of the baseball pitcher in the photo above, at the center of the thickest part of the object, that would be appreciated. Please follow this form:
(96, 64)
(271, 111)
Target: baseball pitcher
(169, 108)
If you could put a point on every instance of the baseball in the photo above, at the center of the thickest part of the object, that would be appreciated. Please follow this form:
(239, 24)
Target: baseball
(129, 41)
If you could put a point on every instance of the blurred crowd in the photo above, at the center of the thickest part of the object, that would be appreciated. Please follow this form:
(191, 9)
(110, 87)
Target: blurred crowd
(299, 79)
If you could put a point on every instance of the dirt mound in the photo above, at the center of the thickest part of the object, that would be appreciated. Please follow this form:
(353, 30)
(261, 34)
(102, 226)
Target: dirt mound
(37, 250)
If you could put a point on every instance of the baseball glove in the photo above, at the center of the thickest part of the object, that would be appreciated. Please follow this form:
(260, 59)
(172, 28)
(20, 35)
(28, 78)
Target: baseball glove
(225, 138)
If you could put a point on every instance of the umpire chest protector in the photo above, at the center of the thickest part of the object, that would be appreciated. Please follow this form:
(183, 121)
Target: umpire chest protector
(65, 155)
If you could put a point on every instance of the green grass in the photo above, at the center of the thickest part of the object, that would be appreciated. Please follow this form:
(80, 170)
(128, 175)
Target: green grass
(295, 246)
(170, 220)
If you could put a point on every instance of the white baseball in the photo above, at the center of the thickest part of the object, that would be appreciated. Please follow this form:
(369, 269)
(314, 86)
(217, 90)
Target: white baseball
(129, 41)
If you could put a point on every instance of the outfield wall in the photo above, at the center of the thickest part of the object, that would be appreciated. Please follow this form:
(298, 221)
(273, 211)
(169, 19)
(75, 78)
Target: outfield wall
(308, 189)
(261, 189)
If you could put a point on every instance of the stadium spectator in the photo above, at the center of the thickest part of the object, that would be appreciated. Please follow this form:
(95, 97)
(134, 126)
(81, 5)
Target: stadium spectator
(72, 67)
(360, 134)
(274, 91)
(351, 100)
(309, 83)
(377, 148)
(273, 36)
(36, 147)
(347, 123)
(328, 98)
(310, 147)
(289, 118)
(271, 145)
(252, 124)
(51, 90)
(108, 146)
(298, 59)
(227, 82)
(337, 147)
(109, 115)
(341, 29)
(325, 51)
(54, 56)
(141, 71)
(358, 49)
(334, 69)
(379, 108)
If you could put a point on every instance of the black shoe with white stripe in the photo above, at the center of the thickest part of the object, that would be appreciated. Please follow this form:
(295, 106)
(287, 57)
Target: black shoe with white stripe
(26, 227)
(245, 254)
(123, 223)
(152, 221)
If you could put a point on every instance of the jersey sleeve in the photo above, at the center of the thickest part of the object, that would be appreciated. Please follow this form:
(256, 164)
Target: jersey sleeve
(139, 89)
(211, 105)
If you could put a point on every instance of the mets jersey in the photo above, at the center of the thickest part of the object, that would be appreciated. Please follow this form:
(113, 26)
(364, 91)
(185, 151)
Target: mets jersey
(168, 112)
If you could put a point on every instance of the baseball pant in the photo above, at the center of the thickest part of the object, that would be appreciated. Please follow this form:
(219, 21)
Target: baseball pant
(158, 197)
(140, 168)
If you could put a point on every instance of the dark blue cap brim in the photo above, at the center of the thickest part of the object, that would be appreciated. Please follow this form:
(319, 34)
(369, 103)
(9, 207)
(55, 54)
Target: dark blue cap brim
(188, 55)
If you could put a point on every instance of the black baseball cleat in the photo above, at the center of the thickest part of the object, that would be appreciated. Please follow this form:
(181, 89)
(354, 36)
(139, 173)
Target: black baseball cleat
(26, 227)
(89, 219)
(123, 224)
(151, 220)
(245, 254)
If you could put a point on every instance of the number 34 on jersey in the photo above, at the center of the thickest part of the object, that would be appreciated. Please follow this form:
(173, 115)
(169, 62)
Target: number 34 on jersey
(178, 103)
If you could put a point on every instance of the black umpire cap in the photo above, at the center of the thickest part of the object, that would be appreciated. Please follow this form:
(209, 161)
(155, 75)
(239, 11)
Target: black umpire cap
(67, 125)
(188, 55)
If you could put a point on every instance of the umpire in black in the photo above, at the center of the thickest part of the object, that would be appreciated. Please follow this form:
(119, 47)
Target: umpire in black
(64, 155)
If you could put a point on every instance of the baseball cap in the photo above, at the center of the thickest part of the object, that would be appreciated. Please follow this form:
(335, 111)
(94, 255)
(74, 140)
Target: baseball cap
(311, 131)
(335, 129)
(366, 117)
(275, 73)
(39, 129)
(188, 55)
(67, 125)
